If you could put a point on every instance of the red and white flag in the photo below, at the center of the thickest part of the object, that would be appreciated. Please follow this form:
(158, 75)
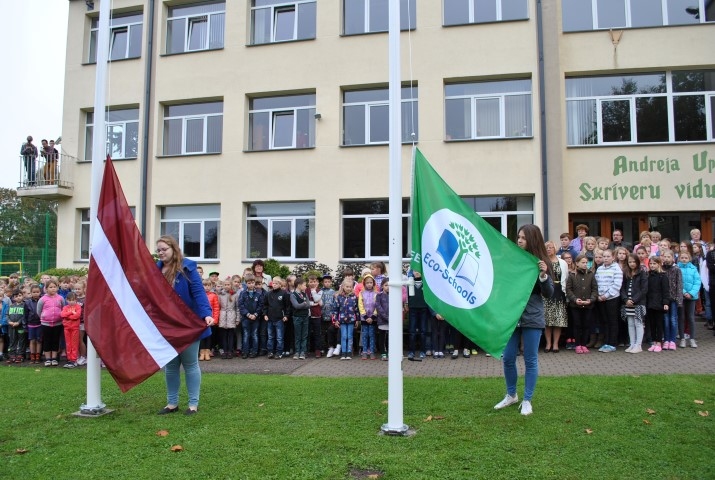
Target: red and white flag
(136, 321)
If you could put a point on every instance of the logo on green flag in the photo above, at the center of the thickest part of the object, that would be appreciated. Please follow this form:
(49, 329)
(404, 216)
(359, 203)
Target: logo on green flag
(472, 275)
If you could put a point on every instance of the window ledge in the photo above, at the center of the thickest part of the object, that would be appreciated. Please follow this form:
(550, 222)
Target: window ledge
(190, 52)
(89, 160)
(386, 144)
(651, 144)
(114, 61)
(650, 27)
(279, 150)
(189, 155)
(281, 42)
(485, 23)
(499, 139)
(348, 35)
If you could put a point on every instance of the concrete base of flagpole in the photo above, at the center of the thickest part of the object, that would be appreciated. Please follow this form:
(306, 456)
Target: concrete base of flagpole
(403, 431)
(92, 412)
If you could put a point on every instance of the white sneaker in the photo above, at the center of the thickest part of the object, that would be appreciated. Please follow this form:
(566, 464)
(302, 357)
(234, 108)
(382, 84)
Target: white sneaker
(525, 407)
(682, 343)
(636, 349)
(508, 400)
(336, 352)
(81, 361)
(628, 350)
(330, 352)
(693, 344)
(429, 353)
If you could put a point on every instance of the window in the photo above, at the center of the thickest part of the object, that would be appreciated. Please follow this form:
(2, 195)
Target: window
(282, 20)
(282, 122)
(195, 27)
(483, 110)
(365, 229)
(366, 116)
(581, 15)
(195, 227)
(125, 37)
(506, 214)
(666, 107)
(461, 12)
(371, 16)
(84, 226)
(122, 133)
(193, 128)
(284, 231)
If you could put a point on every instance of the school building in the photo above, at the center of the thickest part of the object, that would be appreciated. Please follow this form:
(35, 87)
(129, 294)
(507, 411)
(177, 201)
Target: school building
(259, 128)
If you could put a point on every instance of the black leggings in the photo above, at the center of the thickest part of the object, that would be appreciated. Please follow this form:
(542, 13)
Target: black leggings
(582, 319)
(655, 322)
(51, 338)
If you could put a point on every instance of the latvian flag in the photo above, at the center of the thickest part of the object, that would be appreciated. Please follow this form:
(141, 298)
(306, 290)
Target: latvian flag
(134, 318)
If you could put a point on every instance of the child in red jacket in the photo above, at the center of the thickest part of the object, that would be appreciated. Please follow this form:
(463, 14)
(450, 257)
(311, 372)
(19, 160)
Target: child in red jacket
(71, 314)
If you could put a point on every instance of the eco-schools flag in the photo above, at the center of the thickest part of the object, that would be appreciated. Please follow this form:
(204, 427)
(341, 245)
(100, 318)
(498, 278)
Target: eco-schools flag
(477, 279)
(135, 319)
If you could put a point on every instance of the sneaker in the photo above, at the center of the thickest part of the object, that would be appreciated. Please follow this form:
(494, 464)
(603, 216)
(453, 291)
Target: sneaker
(628, 350)
(508, 400)
(526, 407)
(363, 356)
(330, 352)
(584, 349)
(69, 365)
(301, 356)
(348, 356)
(603, 348)
(410, 355)
(318, 354)
(475, 351)
(579, 349)
(682, 343)
(372, 356)
(82, 361)
(54, 363)
(48, 363)
(636, 349)
(686, 337)
(296, 357)
(336, 352)
(270, 355)
(383, 357)
(279, 356)
(611, 348)
(693, 344)
(455, 354)
(422, 354)
(652, 348)
(466, 353)
(429, 353)
(657, 348)
(343, 357)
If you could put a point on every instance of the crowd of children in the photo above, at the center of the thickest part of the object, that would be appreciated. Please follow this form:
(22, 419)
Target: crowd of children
(613, 295)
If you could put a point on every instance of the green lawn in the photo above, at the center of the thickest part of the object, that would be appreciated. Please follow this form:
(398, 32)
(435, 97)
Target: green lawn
(280, 427)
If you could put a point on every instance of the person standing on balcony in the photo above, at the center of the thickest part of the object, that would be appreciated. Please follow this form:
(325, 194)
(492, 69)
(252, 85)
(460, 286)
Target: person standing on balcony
(29, 155)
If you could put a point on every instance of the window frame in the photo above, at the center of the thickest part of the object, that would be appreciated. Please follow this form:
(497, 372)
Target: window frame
(274, 10)
(499, 14)
(670, 95)
(281, 111)
(185, 119)
(188, 220)
(276, 218)
(409, 7)
(501, 97)
(113, 29)
(368, 105)
(190, 20)
(628, 17)
(89, 133)
(369, 218)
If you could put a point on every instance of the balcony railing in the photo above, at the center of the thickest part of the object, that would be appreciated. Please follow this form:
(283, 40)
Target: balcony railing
(47, 176)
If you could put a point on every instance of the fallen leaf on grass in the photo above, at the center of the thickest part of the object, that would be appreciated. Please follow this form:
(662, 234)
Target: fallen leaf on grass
(568, 420)
(646, 421)
(438, 417)
(428, 419)
(162, 433)
(177, 448)
(373, 475)
(589, 431)
(704, 414)
(261, 404)
(699, 402)
(384, 402)
(650, 411)
(20, 451)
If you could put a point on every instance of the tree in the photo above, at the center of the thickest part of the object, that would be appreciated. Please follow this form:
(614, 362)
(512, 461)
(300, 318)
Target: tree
(23, 220)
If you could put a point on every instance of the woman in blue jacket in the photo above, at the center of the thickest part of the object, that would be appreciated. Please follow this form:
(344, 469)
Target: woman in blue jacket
(691, 289)
(530, 324)
(181, 273)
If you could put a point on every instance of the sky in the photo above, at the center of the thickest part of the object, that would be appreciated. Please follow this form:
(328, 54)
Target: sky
(32, 83)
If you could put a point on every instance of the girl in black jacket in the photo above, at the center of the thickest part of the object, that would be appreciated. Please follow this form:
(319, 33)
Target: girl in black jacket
(657, 302)
(633, 300)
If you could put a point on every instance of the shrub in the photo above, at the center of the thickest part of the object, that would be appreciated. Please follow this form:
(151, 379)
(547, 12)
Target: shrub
(274, 268)
(305, 269)
(62, 272)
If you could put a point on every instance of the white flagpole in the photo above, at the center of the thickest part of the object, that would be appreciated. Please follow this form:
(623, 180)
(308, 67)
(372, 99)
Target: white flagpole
(94, 404)
(395, 422)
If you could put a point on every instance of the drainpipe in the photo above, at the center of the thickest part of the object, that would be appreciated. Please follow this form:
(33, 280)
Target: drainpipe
(542, 118)
(147, 116)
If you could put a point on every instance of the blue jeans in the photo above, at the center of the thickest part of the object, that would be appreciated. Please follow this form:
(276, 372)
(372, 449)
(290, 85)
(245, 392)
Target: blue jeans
(189, 358)
(275, 336)
(346, 337)
(670, 322)
(368, 338)
(531, 337)
(301, 334)
(250, 335)
(418, 323)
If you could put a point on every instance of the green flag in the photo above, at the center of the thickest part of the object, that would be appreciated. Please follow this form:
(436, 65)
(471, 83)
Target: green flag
(473, 276)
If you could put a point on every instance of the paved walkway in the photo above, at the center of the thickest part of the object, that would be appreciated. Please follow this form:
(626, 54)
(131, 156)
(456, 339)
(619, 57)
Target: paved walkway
(686, 360)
